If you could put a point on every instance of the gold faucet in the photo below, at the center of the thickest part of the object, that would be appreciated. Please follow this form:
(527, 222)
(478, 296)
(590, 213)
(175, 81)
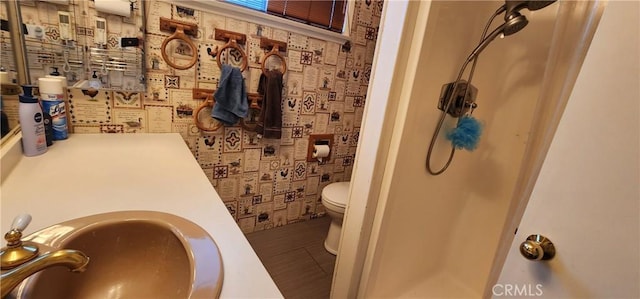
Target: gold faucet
(75, 260)
(21, 259)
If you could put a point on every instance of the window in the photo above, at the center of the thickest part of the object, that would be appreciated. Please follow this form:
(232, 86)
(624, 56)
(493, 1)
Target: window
(326, 14)
(260, 5)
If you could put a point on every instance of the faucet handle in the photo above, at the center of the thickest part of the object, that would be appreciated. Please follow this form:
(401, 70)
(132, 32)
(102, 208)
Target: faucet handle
(21, 222)
(17, 253)
(17, 226)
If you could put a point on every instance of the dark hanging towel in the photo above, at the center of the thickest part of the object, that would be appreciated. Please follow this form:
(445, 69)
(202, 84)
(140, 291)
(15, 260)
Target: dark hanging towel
(270, 122)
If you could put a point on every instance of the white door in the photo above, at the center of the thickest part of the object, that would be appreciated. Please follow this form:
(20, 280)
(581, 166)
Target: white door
(587, 197)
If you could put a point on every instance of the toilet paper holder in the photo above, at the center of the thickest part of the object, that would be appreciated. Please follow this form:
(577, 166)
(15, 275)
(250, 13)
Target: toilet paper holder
(319, 139)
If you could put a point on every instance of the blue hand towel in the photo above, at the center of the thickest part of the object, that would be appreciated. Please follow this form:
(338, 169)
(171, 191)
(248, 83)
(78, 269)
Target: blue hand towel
(231, 97)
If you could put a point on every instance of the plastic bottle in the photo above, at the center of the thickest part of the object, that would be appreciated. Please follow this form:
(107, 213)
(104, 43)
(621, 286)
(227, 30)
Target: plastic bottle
(32, 123)
(94, 82)
(55, 74)
(52, 96)
(48, 128)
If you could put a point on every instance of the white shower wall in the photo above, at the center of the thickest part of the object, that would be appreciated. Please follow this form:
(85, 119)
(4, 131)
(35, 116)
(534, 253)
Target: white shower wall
(438, 234)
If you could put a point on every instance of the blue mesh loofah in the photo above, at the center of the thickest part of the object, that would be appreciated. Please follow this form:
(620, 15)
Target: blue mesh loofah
(466, 134)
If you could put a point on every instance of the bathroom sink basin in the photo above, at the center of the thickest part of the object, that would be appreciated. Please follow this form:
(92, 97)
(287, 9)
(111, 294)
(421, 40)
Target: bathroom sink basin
(133, 254)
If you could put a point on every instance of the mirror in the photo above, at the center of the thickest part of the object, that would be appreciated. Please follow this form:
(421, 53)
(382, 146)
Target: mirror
(98, 41)
(8, 72)
(7, 62)
(9, 108)
(92, 43)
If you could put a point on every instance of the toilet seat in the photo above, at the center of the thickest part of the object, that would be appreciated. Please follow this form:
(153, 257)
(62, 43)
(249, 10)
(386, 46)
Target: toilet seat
(336, 194)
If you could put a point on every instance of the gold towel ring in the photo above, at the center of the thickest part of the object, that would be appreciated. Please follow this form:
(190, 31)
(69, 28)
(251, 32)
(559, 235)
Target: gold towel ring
(233, 44)
(274, 51)
(209, 124)
(179, 34)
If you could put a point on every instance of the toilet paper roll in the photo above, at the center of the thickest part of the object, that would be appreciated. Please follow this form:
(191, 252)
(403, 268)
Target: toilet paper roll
(114, 7)
(321, 151)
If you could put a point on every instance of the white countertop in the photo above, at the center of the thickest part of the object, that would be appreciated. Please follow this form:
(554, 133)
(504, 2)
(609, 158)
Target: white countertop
(95, 173)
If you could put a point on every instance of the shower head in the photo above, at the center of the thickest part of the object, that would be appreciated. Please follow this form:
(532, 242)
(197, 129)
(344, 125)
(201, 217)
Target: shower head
(514, 21)
(512, 17)
(517, 5)
(514, 24)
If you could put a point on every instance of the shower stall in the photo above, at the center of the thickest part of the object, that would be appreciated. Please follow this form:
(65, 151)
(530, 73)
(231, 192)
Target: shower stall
(409, 233)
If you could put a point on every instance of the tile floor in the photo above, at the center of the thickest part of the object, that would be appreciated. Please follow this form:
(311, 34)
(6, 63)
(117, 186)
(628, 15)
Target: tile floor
(295, 257)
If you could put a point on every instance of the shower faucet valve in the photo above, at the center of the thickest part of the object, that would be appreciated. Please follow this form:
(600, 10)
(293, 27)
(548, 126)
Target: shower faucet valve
(464, 99)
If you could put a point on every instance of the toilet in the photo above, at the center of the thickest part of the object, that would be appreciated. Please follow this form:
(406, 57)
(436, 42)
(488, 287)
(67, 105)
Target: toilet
(334, 199)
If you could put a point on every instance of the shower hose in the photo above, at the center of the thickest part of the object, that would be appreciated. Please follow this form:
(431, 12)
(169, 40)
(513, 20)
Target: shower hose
(450, 101)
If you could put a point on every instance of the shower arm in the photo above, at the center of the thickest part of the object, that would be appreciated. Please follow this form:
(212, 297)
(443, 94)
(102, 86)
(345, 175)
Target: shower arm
(484, 42)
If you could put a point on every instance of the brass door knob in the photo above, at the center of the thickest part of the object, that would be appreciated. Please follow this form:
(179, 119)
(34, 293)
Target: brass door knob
(537, 247)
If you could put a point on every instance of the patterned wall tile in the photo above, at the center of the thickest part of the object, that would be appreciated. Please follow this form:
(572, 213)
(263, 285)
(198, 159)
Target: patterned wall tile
(264, 183)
